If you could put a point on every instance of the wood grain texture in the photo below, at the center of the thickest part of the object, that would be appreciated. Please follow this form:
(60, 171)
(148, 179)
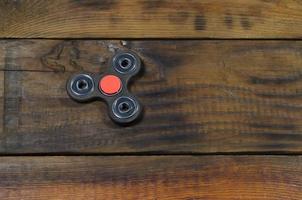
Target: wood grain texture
(153, 177)
(151, 19)
(199, 97)
(1, 101)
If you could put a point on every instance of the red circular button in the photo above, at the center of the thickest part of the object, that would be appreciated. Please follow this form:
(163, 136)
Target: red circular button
(110, 84)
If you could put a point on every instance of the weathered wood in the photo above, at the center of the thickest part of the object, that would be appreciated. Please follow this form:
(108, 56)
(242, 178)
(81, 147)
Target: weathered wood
(165, 178)
(2, 60)
(199, 97)
(151, 19)
(1, 101)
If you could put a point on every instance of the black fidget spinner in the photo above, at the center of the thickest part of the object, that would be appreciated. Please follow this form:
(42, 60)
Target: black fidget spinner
(111, 87)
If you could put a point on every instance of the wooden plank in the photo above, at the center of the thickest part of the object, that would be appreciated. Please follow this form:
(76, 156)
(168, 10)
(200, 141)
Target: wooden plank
(150, 19)
(215, 178)
(199, 97)
(2, 57)
(1, 101)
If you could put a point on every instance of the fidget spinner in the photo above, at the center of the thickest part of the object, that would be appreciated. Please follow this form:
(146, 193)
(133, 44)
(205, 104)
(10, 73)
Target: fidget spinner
(111, 87)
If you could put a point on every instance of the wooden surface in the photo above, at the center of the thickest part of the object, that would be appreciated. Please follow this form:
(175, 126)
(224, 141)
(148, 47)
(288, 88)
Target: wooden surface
(151, 18)
(149, 178)
(199, 97)
(222, 121)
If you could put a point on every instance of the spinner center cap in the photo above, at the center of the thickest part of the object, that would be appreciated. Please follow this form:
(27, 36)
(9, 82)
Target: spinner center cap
(110, 84)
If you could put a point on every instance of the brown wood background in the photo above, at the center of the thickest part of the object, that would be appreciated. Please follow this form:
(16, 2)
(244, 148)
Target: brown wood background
(221, 87)
(151, 18)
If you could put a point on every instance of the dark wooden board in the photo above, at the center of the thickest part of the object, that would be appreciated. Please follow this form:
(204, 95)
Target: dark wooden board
(209, 97)
(150, 19)
(153, 177)
(199, 96)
